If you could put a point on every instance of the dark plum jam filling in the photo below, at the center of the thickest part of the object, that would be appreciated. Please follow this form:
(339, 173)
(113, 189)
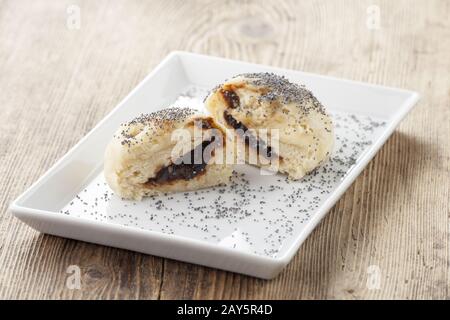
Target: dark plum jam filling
(186, 168)
(253, 142)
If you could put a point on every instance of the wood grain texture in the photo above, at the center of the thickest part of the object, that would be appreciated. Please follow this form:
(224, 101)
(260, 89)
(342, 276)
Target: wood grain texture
(57, 83)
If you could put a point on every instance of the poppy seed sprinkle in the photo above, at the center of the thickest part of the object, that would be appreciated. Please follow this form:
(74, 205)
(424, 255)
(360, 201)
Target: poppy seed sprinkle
(254, 213)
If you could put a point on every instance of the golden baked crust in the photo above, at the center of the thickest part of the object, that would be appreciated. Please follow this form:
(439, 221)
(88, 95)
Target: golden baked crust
(154, 153)
(265, 101)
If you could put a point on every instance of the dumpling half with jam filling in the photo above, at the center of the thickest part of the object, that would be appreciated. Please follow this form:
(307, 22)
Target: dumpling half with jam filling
(171, 150)
(297, 131)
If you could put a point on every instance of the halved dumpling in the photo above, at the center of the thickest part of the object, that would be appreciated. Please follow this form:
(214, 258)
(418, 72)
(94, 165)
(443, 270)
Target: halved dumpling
(279, 125)
(175, 149)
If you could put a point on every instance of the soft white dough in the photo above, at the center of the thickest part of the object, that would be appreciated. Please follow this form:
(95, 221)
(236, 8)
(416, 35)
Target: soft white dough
(268, 101)
(145, 145)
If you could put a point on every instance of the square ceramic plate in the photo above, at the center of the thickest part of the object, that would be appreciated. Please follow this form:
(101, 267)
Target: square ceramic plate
(253, 226)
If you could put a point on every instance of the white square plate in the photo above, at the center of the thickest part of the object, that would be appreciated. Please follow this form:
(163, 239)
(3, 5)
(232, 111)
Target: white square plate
(253, 226)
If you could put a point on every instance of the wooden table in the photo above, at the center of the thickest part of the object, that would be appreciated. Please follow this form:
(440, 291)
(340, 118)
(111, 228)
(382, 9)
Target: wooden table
(58, 78)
